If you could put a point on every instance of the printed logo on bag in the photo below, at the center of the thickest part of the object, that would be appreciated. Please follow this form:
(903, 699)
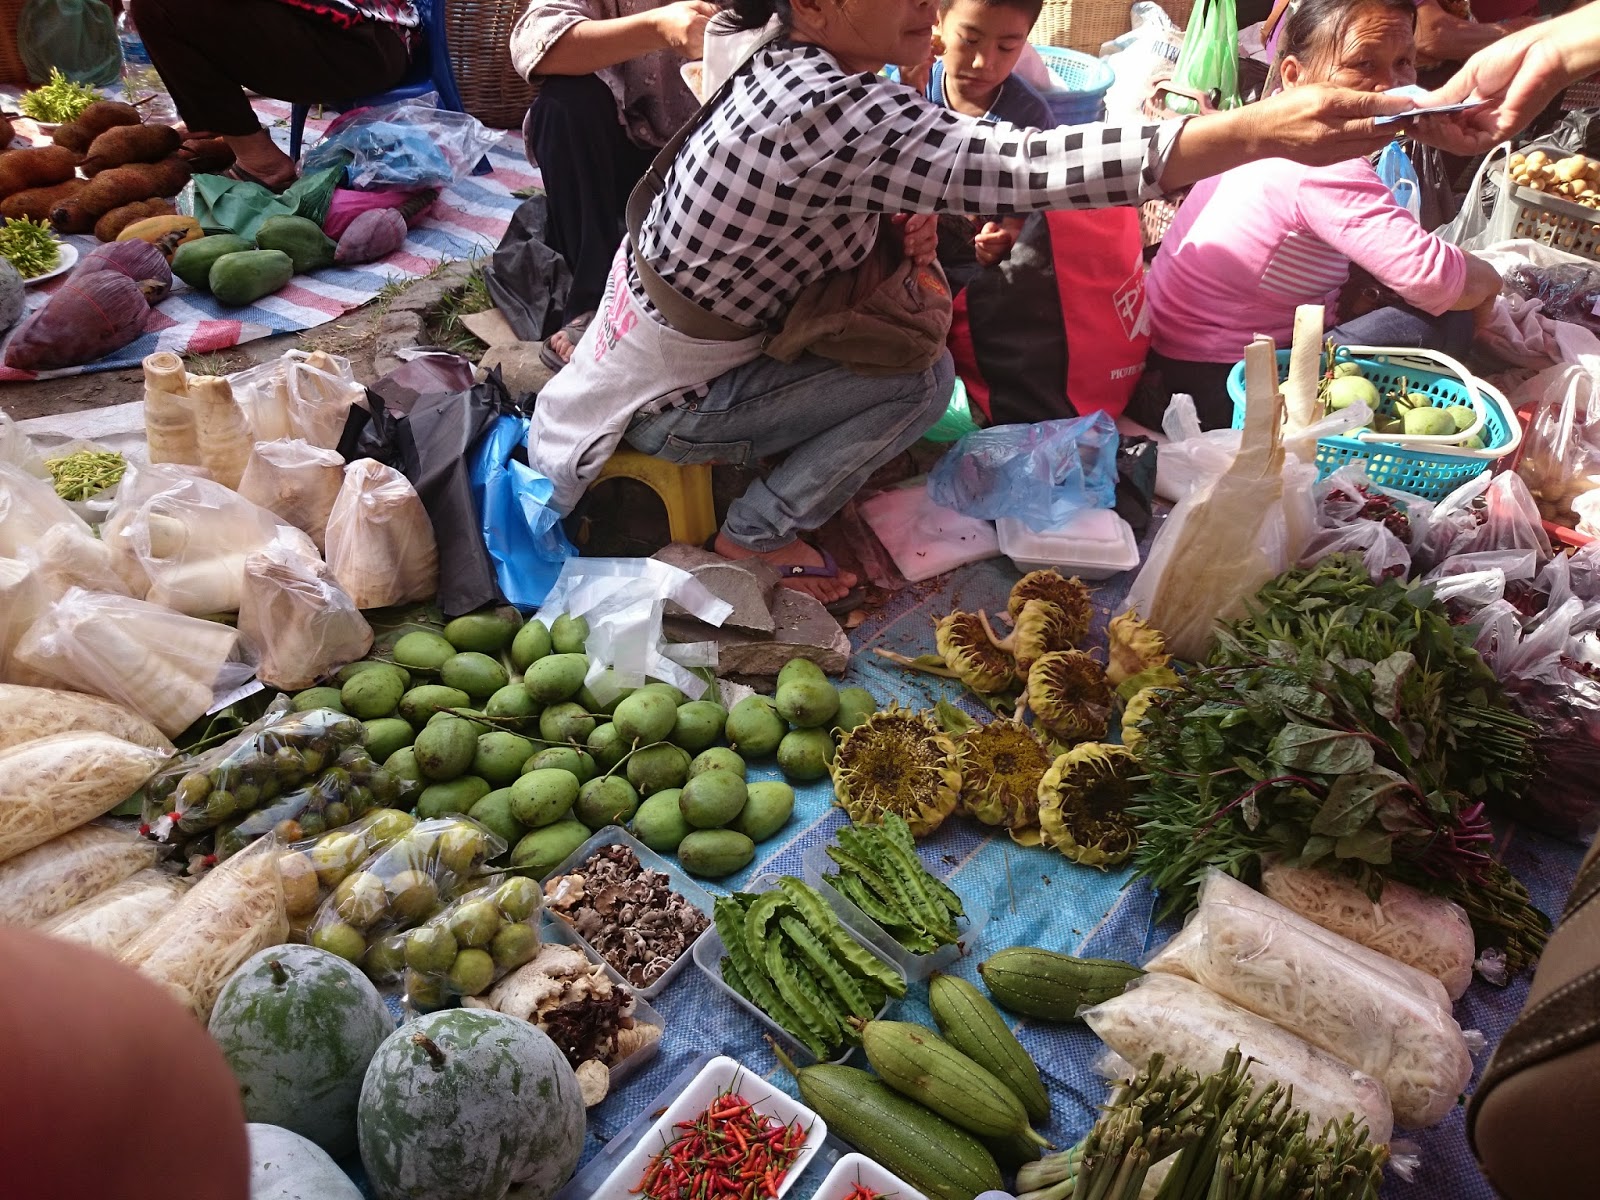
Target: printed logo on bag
(1128, 300)
(932, 281)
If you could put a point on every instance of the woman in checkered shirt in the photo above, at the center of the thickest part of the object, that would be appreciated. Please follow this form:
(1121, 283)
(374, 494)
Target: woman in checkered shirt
(788, 180)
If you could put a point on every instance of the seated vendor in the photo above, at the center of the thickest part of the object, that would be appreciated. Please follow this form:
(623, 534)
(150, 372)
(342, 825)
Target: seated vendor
(210, 54)
(1248, 246)
(1448, 31)
(787, 183)
(610, 94)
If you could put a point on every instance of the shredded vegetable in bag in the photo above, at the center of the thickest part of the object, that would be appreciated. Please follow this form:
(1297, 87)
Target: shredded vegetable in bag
(1336, 1003)
(235, 911)
(1195, 1028)
(59, 782)
(27, 713)
(1427, 932)
(41, 883)
(380, 540)
(111, 921)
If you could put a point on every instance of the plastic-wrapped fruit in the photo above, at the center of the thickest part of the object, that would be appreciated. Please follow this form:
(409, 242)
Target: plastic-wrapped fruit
(412, 895)
(518, 899)
(361, 899)
(341, 939)
(475, 922)
(430, 949)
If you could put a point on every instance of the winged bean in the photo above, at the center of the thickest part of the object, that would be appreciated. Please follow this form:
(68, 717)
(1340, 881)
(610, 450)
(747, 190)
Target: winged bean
(858, 960)
(837, 977)
(730, 928)
(816, 1019)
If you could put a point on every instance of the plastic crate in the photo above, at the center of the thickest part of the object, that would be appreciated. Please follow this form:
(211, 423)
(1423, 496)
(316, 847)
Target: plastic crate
(1551, 220)
(1407, 465)
(1081, 84)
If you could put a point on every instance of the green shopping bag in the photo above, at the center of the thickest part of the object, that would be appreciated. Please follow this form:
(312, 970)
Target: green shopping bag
(76, 37)
(1209, 60)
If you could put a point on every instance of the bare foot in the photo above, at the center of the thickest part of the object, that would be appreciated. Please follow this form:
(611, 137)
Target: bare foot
(795, 554)
(258, 156)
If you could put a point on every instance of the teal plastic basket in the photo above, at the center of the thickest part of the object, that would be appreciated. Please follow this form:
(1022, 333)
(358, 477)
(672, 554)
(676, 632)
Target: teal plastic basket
(1430, 473)
(1081, 83)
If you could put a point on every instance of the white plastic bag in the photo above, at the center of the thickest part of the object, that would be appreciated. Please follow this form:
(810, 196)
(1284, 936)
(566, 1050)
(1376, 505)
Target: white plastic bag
(18, 450)
(153, 661)
(38, 884)
(113, 920)
(1195, 1028)
(322, 390)
(301, 623)
(297, 481)
(380, 540)
(65, 558)
(56, 783)
(262, 394)
(1190, 457)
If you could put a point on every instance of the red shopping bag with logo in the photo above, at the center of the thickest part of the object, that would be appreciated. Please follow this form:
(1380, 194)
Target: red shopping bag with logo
(1057, 330)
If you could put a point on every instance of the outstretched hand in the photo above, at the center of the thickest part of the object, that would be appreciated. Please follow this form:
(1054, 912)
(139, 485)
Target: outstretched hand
(1516, 77)
(683, 26)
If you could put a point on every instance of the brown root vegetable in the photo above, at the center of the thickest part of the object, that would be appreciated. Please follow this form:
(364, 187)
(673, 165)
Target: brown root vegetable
(70, 215)
(167, 177)
(42, 166)
(109, 227)
(139, 261)
(36, 204)
(207, 156)
(130, 144)
(87, 318)
(106, 114)
(132, 183)
(6, 133)
(72, 136)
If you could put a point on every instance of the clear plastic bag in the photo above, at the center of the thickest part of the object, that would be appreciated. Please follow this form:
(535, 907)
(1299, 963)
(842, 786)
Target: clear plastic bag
(18, 450)
(277, 753)
(111, 921)
(313, 867)
(27, 713)
(1335, 1002)
(1041, 474)
(235, 911)
(262, 394)
(412, 143)
(1426, 932)
(154, 662)
(466, 948)
(1195, 1028)
(352, 786)
(30, 508)
(299, 620)
(22, 598)
(322, 391)
(1348, 495)
(57, 783)
(1560, 460)
(1191, 457)
(65, 558)
(380, 541)
(1506, 517)
(297, 481)
(41, 883)
(1385, 556)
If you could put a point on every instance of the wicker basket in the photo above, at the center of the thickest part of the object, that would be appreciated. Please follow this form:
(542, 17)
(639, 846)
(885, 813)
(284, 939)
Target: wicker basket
(479, 34)
(1087, 25)
(11, 68)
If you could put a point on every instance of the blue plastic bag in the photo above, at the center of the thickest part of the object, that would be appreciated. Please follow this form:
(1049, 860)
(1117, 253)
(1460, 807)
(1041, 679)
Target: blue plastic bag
(521, 530)
(1041, 474)
(1400, 177)
(408, 144)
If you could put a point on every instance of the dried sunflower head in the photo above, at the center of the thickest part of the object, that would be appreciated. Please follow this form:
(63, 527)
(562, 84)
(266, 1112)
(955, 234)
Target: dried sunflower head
(1069, 696)
(1001, 766)
(1145, 688)
(898, 762)
(1083, 804)
(1040, 627)
(1135, 647)
(963, 641)
(1069, 595)
(1133, 713)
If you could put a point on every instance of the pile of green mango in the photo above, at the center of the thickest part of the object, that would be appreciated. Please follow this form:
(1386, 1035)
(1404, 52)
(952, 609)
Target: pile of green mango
(491, 718)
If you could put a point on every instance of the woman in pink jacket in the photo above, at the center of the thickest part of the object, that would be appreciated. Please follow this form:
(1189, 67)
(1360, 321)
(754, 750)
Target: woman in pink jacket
(1250, 245)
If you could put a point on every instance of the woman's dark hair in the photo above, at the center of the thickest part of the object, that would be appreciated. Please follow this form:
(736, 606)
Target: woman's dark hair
(1314, 26)
(753, 14)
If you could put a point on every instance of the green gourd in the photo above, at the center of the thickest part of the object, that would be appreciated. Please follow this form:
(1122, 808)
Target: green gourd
(194, 260)
(306, 245)
(244, 278)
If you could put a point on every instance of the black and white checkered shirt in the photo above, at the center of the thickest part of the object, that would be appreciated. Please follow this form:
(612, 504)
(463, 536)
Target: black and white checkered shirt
(784, 182)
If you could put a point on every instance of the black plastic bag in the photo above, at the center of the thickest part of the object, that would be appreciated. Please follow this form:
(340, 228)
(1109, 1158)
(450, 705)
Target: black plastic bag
(1578, 132)
(528, 281)
(1136, 481)
(432, 446)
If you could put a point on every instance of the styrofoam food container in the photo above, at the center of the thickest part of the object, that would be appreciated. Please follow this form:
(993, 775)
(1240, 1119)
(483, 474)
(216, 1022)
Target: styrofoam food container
(552, 930)
(708, 951)
(858, 1168)
(816, 863)
(615, 835)
(719, 1075)
(1096, 544)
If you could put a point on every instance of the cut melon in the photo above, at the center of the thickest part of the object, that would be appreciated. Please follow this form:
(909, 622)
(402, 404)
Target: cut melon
(285, 1166)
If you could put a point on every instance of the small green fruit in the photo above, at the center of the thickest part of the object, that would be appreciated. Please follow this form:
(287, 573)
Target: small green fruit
(754, 727)
(476, 674)
(513, 946)
(645, 717)
(699, 725)
(340, 939)
(564, 758)
(543, 796)
(430, 949)
(718, 758)
(472, 972)
(566, 722)
(518, 899)
(659, 823)
(806, 754)
(657, 768)
(475, 922)
(712, 800)
(609, 800)
(607, 746)
(531, 644)
(807, 704)
(422, 650)
(568, 634)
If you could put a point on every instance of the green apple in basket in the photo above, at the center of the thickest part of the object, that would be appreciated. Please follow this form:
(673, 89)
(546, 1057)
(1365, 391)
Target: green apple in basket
(1463, 416)
(1429, 422)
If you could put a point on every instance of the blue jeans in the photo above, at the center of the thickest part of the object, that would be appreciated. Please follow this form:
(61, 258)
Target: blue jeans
(837, 427)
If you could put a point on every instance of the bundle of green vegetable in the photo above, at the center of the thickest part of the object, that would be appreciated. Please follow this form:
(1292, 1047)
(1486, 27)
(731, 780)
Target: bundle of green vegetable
(1341, 724)
(880, 873)
(1225, 1139)
(86, 474)
(58, 101)
(29, 246)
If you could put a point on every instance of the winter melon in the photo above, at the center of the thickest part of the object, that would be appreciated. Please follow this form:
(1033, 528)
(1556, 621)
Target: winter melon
(461, 1104)
(299, 1026)
(285, 1166)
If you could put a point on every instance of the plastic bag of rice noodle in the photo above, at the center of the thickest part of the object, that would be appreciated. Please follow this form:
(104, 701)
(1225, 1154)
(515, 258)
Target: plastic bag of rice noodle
(112, 920)
(235, 911)
(27, 713)
(56, 783)
(1220, 888)
(1195, 1028)
(41, 883)
(1277, 970)
(1429, 933)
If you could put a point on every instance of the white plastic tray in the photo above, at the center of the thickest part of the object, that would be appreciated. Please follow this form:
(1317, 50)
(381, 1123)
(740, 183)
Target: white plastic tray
(718, 1076)
(858, 1168)
(816, 863)
(1096, 544)
(615, 835)
(551, 930)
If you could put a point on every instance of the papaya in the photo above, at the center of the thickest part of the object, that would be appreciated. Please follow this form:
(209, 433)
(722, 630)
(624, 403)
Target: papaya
(306, 245)
(193, 261)
(246, 277)
(166, 234)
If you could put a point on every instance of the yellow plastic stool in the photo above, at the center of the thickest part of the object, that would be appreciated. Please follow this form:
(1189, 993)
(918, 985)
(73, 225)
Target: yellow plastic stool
(686, 491)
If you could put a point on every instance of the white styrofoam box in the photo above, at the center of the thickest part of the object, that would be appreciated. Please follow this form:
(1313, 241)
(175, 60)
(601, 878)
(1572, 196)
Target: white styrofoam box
(923, 538)
(858, 1168)
(721, 1074)
(1095, 544)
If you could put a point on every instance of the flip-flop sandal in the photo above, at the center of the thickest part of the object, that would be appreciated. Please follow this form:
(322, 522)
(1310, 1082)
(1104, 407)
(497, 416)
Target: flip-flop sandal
(845, 604)
(574, 330)
(244, 176)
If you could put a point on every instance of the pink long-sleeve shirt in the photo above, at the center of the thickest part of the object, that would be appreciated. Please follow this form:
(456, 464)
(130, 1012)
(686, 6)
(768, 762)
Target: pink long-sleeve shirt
(1249, 245)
